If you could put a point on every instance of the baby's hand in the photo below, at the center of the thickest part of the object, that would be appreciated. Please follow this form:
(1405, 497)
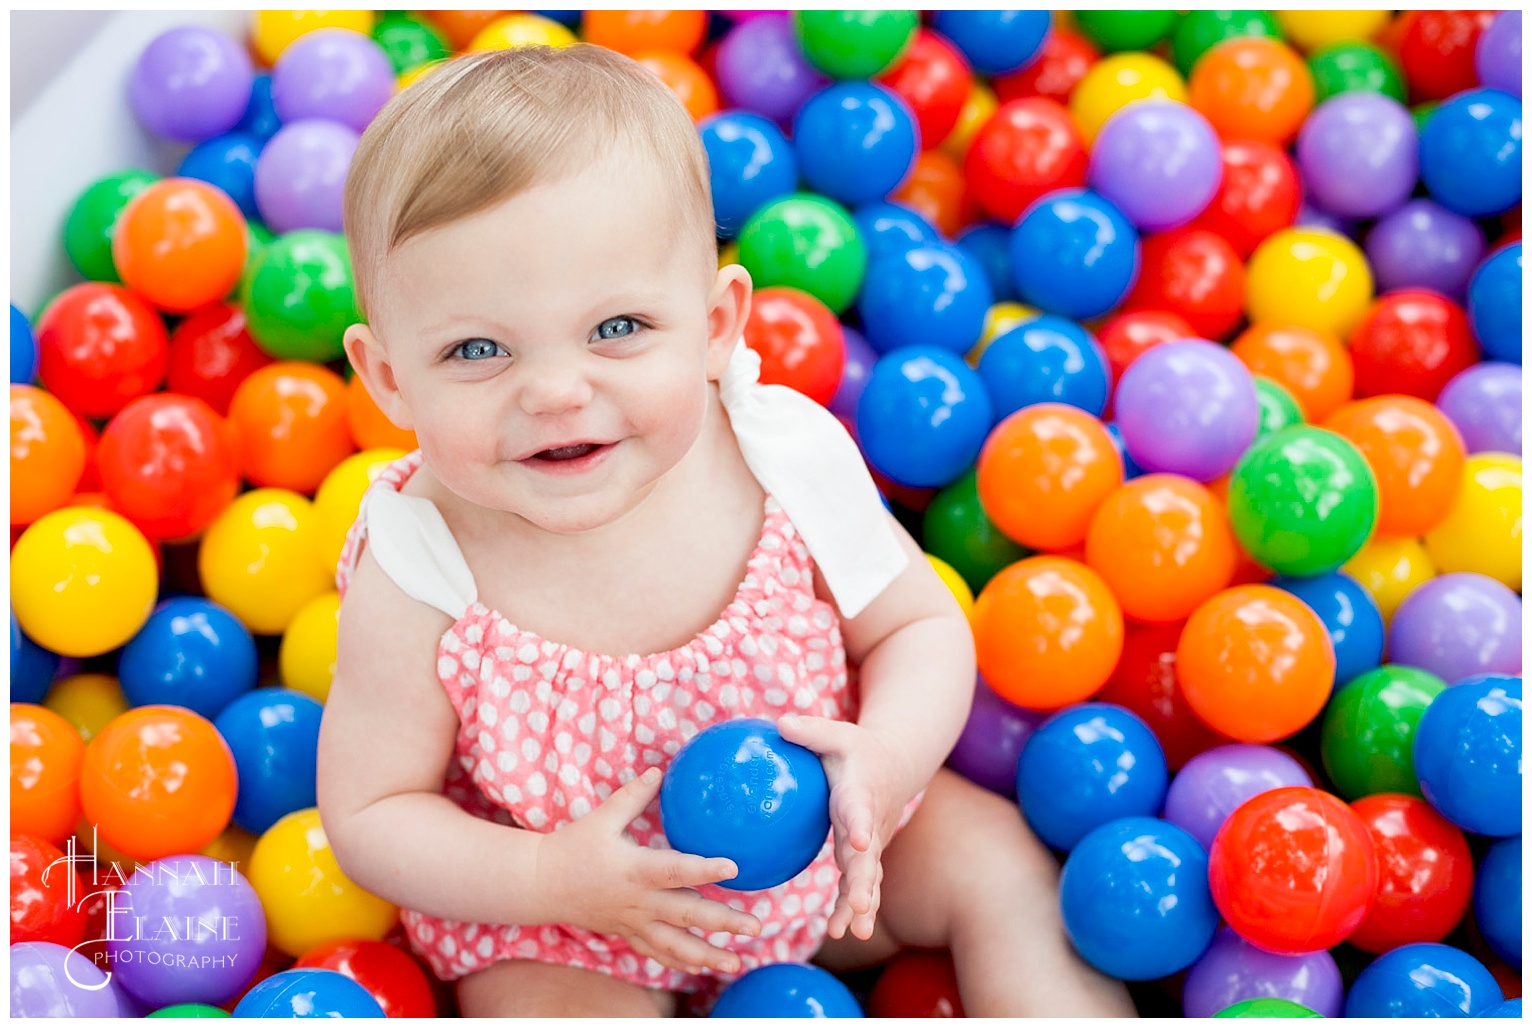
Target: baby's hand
(868, 790)
(608, 883)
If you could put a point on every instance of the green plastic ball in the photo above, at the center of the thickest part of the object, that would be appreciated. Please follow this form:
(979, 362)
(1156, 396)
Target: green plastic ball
(190, 1010)
(1116, 31)
(1354, 68)
(1200, 31)
(1278, 408)
(1302, 501)
(299, 296)
(957, 530)
(93, 219)
(1267, 1006)
(854, 44)
(408, 41)
(806, 242)
(1368, 733)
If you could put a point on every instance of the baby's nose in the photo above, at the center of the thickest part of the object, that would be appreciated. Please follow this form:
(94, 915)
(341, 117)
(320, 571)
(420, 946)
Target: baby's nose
(553, 390)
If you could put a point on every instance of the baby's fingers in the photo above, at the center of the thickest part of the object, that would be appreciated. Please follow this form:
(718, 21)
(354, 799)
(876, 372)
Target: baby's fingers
(668, 869)
(684, 908)
(622, 806)
(682, 950)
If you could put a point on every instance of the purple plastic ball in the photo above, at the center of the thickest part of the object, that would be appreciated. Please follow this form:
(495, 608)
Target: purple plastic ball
(1457, 625)
(332, 73)
(48, 980)
(1232, 970)
(860, 357)
(210, 963)
(1423, 245)
(761, 68)
(990, 747)
(1358, 154)
(1484, 402)
(1210, 785)
(191, 83)
(1497, 57)
(300, 177)
(1187, 407)
(1158, 161)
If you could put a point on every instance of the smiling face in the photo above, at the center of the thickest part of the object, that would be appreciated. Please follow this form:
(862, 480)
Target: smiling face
(553, 353)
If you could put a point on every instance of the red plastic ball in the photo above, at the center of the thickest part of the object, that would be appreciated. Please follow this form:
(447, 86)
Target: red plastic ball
(1196, 274)
(1259, 195)
(917, 983)
(1028, 148)
(90, 478)
(44, 907)
(1130, 334)
(1437, 52)
(1411, 341)
(1145, 683)
(934, 78)
(211, 353)
(799, 339)
(99, 346)
(392, 976)
(1065, 58)
(97, 896)
(170, 464)
(1292, 870)
(1425, 873)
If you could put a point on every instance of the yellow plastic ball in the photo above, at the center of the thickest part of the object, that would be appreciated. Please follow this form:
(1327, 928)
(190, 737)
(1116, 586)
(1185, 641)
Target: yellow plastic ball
(83, 581)
(977, 109)
(308, 899)
(413, 75)
(307, 656)
(339, 498)
(261, 559)
(728, 254)
(87, 701)
(998, 320)
(1482, 532)
(1310, 277)
(274, 31)
(233, 846)
(521, 30)
(1116, 81)
(954, 581)
(1390, 567)
(1310, 30)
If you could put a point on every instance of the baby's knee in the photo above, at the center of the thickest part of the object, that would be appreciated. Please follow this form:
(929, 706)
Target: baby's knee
(986, 832)
(523, 988)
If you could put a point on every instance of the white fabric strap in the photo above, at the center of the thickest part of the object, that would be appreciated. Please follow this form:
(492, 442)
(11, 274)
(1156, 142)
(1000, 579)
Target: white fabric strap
(414, 547)
(804, 457)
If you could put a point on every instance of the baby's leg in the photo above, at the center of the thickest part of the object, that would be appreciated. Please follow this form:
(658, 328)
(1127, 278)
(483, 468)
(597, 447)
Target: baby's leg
(526, 988)
(966, 873)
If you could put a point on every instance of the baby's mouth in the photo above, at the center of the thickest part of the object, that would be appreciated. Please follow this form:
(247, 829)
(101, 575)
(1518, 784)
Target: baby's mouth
(567, 452)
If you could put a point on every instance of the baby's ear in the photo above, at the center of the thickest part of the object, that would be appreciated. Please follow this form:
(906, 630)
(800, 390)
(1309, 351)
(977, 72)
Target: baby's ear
(370, 362)
(728, 310)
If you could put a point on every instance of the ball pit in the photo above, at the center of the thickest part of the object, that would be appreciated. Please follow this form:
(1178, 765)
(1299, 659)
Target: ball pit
(1147, 183)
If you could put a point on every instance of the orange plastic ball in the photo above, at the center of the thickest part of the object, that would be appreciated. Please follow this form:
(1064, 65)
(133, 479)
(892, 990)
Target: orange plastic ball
(1253, 88)
(1256, 663)
(633, 32)
(291, 419)
(1163, 543)
(1416, 454)
(47, 454)
(1042, 473)
(370, 427)
(1310, 364)
(461, 26)
(180, 244)
(46, 752)
(158, 780)
(685, 78)
(937, 190)
(1048, 632)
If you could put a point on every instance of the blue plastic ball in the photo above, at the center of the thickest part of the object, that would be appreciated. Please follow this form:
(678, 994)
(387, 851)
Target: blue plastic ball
(787, 990)
(1470, 153)
(1510, 1008)
(990, 243)
(1494, 304)
(1423, 979)
(1087, 765)
(890, 228)
(308, 992)
(1351, 616)
(260, 119)
(856, 141)
(32, 667)
(751, 164)
(923, 416)
(568, 19)
(1046, 359)
(274, 737)
(1468, 754)
(1135, 899)
(737, 789)
(190, 653)
(1497, 899)
(1073, 253)
(23, 349)
(996, 42)
(1130, 468)
(928, 296)
(228, 162)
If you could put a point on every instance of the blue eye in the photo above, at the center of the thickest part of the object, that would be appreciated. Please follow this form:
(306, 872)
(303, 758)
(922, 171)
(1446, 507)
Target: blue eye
(616, 328)
(476, 349)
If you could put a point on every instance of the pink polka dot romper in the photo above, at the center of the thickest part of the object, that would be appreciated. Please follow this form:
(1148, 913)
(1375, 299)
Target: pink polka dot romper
(547, 732)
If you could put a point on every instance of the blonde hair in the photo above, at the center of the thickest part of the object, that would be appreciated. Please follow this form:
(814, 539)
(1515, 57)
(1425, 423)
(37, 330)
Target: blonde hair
(487, 125)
